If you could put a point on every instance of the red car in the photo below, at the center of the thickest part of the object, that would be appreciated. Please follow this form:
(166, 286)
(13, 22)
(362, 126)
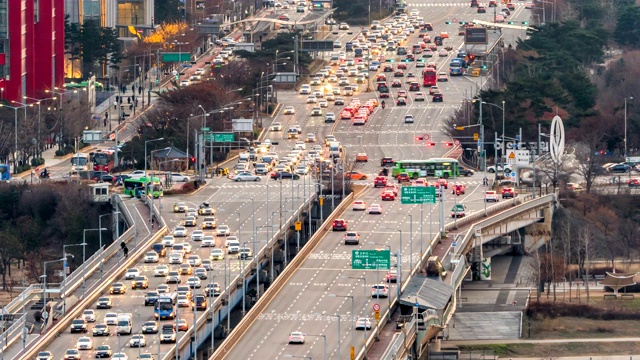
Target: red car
(388, 195)
(396, 83)
(283, 17)
(458, 189)
(392, 188)
(442, 182)
(339, 225)
(402, 66)
(380, 181)
(403, 177)
(509, 193)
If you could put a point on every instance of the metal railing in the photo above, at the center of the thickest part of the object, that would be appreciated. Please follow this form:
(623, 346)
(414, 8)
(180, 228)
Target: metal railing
(397, 347)
(204, 315)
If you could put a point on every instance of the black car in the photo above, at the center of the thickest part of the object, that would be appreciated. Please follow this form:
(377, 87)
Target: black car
(428, 26)
(414, 86)
(284, 175)
(79, 325)
(200, 302)
(620, 168)
(151, 298)
(465, 171)
(103, 351)
(119, 179)
(386, 161)
(437, 40)
(101, 176)
(339, 101)
(160, 249)
(401, 102)
(437, 97)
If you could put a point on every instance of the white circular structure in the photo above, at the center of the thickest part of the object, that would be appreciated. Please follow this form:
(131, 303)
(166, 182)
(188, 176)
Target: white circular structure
(556, 139)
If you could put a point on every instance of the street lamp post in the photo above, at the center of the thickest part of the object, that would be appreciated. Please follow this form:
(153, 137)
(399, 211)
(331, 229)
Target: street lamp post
(352, 316)
(145, 152)
(15, 135)
(625, 126)
(44, 293)
(84, 254)
(324, 338)
(364, 284)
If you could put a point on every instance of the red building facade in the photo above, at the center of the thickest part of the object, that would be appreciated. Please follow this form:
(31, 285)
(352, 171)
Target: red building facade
(31, 48)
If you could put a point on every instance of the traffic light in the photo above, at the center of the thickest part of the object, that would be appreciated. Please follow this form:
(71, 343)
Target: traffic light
(448, 144)
(419, 138)
(510, 22)
(461, 22)
(524, 23)
(448, 22)
(430, 144)
(471, 58)
(192, 159)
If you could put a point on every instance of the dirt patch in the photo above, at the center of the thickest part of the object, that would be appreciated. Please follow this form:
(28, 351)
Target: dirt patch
(556, 350)
(573, 328)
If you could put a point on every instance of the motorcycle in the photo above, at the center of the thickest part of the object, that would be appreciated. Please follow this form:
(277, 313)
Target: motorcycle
(44, 175)
(383, 105)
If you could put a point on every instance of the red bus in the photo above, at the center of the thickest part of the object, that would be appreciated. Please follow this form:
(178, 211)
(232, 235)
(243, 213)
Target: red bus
(103, 161)
(429, 77)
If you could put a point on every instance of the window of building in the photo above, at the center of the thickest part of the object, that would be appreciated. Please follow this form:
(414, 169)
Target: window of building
(36, 11)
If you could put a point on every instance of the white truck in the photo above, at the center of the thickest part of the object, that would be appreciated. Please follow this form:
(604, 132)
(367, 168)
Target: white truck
(125, 323)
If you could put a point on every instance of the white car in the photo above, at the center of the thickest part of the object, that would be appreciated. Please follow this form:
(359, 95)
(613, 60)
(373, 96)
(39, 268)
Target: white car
(177, 177)
(276, 126)
(296, 337)
(302, 170)
(176, 258)
(137, 174)
(151, 257)
(351, 238)
(491, 196)
(380, 290)
(194, 260)
(197, 235)
(89, 315)
(363, 324)
(180, 231)
(183, 300)
(323, 103)
(199, 71)
(84, 343)
(193, 282)
(131, 274)
(329, 117)
(168, 241)
(223, 230)
(172, 278)
(244, 176)
(343, 26)
(208, 241)
(359, 205)
(138, 340)
(499, 167)
(305, 89)
(216, 254)
(187, 247)
(408, 119)
(289, 110)
(375, 209)
(111, 319)
(161, 270)
(185, 82)
(311, 99)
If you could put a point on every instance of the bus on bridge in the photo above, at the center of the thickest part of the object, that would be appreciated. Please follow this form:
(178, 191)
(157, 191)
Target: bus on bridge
(165, 306)
(434, 167)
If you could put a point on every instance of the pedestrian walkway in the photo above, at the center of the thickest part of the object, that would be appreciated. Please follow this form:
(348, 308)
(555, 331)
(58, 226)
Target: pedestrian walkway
(139, 213)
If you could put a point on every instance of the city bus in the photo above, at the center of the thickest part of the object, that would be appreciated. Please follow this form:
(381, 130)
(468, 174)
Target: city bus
(429, 77)
(103, 161)
(145, 185)
(435, 167)
(80, 162)
(456, 67)
(165, 306)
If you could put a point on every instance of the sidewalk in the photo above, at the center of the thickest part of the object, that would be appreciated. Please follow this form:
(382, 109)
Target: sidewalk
(94, 281)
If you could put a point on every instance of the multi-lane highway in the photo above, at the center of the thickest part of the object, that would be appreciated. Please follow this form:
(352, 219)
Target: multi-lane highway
(325, 288)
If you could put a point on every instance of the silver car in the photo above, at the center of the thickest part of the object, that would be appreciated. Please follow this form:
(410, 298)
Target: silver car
(245, 176)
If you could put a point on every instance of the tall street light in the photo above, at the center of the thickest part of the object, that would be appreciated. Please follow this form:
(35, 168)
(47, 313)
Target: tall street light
(625, 125)
(39, 116)
(84, 253)
(324, 338)
(44, 293)
(15, 139)
(145, 152)
(352, 318)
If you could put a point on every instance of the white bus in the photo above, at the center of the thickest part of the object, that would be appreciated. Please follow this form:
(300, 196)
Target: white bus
(80, 162)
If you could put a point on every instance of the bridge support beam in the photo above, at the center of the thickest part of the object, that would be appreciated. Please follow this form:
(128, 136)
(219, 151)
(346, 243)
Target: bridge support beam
(536, 235)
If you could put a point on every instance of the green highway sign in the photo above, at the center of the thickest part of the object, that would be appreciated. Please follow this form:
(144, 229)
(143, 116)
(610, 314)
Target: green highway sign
(205, 129)
(175, 56)
(418, 195)
(370, 259)
(219, 137)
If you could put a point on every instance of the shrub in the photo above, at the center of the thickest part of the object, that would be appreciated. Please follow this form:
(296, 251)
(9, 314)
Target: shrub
(60, 152)
(69, 149)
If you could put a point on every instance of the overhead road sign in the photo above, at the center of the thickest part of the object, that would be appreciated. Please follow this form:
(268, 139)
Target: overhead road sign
(175, 56)
(476, 35)
(219, 137)
(370, 259)
(418, 195)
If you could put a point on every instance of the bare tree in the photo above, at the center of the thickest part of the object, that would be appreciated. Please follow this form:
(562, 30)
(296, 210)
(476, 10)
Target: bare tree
(586, 239)
(585, 164)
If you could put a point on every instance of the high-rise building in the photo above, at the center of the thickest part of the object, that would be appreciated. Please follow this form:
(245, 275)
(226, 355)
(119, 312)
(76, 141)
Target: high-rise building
(31, 47)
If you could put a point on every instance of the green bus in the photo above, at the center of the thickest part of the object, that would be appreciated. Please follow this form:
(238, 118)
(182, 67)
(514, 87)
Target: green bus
(435, 167)
(137, 187)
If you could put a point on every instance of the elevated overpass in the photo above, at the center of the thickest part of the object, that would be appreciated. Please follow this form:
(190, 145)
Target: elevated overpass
(523, 223)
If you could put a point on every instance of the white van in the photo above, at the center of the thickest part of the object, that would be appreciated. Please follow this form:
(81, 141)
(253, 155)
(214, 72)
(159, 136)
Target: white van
(335, 148)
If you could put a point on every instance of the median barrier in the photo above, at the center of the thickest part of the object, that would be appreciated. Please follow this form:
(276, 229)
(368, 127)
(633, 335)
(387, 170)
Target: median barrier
(239, 331)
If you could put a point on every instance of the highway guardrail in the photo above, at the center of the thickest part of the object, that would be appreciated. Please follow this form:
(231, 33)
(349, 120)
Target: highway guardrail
(244, 325)
(94, 291)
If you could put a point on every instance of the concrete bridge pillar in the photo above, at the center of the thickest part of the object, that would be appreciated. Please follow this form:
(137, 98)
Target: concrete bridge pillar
(536, 235)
